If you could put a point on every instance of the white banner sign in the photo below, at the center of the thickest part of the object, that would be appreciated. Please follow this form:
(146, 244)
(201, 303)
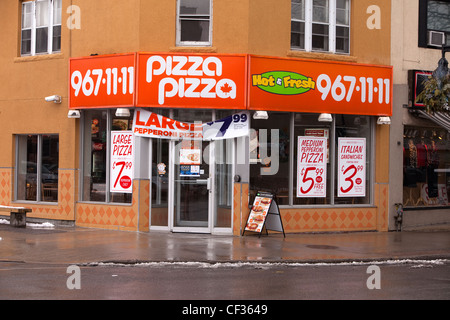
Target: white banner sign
(351, 167)
(311, 167)
(122, 161)
(233, 126)
(152, 125)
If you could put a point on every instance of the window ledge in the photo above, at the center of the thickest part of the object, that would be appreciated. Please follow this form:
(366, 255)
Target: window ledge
(193, 49)
(40, 57)
(321, 56)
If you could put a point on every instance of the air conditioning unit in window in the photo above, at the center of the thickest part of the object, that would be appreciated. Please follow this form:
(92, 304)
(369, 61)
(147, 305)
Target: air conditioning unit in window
(436, 39)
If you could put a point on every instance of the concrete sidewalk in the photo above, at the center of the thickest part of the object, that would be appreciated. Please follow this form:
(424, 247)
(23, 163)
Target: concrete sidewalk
(75, 245)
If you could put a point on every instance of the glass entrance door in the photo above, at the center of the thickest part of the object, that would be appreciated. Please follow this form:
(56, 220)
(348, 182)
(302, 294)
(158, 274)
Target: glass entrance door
(192, 186)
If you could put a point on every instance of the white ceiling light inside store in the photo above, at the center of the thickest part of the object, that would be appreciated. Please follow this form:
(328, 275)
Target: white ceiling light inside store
(261, 115)
(325, 117)
(122, 112)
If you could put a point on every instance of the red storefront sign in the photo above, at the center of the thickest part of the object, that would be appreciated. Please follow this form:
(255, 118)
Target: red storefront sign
(224, 81)
(191, 81)
(298, 85)
(102, 81)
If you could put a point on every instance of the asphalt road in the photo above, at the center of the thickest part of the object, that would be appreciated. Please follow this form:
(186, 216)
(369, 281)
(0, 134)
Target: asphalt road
(197, 281)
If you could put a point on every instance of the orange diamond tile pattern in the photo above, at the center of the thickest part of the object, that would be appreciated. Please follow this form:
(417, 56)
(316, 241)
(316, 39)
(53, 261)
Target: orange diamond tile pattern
(132, 217)
(123, 217)
(321, 220)
(62, 210)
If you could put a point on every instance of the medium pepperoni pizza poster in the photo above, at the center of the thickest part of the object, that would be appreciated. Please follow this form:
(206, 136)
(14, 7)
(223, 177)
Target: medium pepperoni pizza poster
(312, 167)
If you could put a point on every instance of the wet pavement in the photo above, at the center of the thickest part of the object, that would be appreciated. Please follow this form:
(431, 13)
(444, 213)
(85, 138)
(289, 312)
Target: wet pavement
(76, 245)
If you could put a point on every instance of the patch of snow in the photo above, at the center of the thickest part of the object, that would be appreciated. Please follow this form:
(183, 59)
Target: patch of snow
(215, 265)
(45, 225)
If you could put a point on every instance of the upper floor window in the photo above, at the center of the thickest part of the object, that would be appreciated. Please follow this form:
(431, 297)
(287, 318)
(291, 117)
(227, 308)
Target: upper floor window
(320, 25)
(41, 27)
(434, 23)
(194, 22)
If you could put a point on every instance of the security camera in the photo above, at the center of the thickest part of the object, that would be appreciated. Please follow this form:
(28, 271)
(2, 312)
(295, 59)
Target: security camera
(54, 98)
(74, 114)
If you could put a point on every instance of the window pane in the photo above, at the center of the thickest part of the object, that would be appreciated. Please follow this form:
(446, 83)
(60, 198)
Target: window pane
(195, 30)
(320, 37)
(27, 15)
(351, 126)
(49, 168)
(343, 12)
(193, 7)
(160, 182)
(342, 40)
(27, 167)
(122, 124)
(42, 40)
(57, 12)
(426, 167)
(439, 16)
(320, 11)
(42, 13)
(298, 35)
(94, 176)
(298, 9)
(26, 42)
(308, 125)
(266, 151)
(56, 39)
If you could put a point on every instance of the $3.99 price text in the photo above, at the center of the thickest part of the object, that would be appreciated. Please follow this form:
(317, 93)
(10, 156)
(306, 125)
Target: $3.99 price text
(349, 174)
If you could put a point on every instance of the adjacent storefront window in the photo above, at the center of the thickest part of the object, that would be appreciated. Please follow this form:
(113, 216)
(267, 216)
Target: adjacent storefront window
(37, 163)
(98, 125)
(426, 166)
(319, 163)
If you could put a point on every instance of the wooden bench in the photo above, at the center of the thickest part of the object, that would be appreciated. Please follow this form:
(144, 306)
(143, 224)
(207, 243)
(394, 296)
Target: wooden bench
(18, 215)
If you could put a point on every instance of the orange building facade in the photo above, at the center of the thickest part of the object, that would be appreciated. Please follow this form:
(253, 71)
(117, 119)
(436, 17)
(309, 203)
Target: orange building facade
(104, 108)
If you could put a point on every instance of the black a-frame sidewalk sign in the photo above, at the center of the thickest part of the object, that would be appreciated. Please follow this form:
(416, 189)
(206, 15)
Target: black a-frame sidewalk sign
(264, 215)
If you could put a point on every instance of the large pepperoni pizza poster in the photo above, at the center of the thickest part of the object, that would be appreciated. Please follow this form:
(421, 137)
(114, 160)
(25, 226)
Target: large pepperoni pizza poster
(122, 161)
(312, 167)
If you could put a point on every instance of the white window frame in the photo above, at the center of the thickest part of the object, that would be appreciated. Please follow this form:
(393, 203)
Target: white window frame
(33, 28)
(194, 43)
(332, 24)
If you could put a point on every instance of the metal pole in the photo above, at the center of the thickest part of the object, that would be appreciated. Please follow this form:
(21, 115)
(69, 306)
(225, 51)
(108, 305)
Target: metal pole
(444, 50)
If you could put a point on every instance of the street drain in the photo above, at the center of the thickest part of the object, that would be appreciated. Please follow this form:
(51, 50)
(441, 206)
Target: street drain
(321, 246)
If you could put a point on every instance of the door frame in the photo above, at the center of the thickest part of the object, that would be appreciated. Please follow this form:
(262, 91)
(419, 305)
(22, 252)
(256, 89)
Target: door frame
(212, 214)
(172, 195)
